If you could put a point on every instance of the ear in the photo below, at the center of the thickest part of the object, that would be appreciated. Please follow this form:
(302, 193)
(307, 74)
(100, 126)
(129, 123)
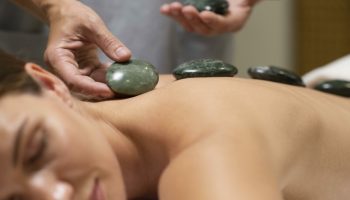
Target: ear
(49, 82)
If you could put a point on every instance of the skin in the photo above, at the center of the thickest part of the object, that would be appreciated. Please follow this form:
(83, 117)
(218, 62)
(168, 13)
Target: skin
(227, 137)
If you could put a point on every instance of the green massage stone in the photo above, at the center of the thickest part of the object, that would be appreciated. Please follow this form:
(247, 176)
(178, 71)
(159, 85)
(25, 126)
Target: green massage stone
(337, 87)
(132, 78)
(217, 6)
(275, 74)
(204, 68)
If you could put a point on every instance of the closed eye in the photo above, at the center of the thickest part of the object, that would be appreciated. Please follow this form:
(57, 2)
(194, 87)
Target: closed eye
(35, 149)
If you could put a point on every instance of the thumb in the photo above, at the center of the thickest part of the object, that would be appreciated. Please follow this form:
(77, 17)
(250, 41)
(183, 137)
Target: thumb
(111, 45)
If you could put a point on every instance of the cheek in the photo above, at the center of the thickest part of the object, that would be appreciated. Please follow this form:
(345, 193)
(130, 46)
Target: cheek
(82, 160)
(84, 153)
(88, 152)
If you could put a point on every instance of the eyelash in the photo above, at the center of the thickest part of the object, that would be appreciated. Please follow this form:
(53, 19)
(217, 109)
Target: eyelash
(15, 197)
(33, 161)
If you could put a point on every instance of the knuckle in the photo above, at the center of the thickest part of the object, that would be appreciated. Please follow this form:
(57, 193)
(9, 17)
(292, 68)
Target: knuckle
(49, 57)
(110, 43)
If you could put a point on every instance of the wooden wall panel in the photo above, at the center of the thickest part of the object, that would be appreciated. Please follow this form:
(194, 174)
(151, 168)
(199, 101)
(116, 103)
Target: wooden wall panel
(322, 32)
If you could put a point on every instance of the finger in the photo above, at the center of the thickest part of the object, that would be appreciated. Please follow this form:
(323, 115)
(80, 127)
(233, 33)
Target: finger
(99, 74)
(110, 45)
(175, 12)
(216, 23)
(192, 16)
(91, 89)
(165, 9)
(64, 64)
(175, 8)
(107, 64)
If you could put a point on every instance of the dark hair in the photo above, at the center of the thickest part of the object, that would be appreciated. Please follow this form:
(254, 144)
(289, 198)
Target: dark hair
(13, 77)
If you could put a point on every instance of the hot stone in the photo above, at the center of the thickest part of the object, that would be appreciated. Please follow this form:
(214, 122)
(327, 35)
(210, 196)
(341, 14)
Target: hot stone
(275, 74)
(204, 68)
(337, 87)
(132, 78)
(217, 6)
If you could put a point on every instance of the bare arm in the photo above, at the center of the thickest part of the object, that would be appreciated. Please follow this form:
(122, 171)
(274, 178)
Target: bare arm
(220, 168)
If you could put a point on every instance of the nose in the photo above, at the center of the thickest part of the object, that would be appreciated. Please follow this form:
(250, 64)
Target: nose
(47, 187)
(62, 191)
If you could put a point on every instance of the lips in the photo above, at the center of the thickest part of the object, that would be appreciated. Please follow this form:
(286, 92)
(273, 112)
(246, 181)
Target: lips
(97, 193)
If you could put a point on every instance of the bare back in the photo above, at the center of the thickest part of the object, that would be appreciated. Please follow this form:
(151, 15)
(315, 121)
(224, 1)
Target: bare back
(249, 139)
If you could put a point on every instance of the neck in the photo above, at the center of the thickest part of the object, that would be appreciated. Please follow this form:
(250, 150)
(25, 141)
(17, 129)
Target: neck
(138, 153)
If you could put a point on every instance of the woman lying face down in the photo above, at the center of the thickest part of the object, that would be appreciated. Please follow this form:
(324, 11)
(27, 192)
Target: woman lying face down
(200, 138)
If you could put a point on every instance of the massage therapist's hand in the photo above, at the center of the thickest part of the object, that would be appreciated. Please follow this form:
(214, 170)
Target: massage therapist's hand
(76, 32)
(208, 23)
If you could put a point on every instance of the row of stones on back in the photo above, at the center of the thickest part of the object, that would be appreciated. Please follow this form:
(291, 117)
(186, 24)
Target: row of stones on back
(280, 75)
(217, 68)
(136, 76)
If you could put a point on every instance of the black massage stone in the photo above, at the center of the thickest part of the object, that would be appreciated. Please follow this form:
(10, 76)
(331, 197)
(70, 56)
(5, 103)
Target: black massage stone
(337, 87)
(216, 6)
(204, 68)
(132, 78)
(275, 74)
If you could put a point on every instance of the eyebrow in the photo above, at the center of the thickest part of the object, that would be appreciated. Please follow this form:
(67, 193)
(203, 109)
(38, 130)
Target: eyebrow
(16, 145)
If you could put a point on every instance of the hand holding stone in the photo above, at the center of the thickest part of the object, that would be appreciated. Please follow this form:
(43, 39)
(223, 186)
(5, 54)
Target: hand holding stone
(206, 22)
(76, 32)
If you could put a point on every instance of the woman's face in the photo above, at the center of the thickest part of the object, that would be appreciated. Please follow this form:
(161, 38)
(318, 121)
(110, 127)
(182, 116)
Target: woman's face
(49, 151)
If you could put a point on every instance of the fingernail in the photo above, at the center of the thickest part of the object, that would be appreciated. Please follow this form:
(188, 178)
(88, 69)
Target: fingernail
(122, 52)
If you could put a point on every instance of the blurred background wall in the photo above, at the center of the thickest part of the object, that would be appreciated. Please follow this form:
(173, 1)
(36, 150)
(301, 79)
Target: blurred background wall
(21, 34)
(268, 37)
(296, 34)
(323, 32)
